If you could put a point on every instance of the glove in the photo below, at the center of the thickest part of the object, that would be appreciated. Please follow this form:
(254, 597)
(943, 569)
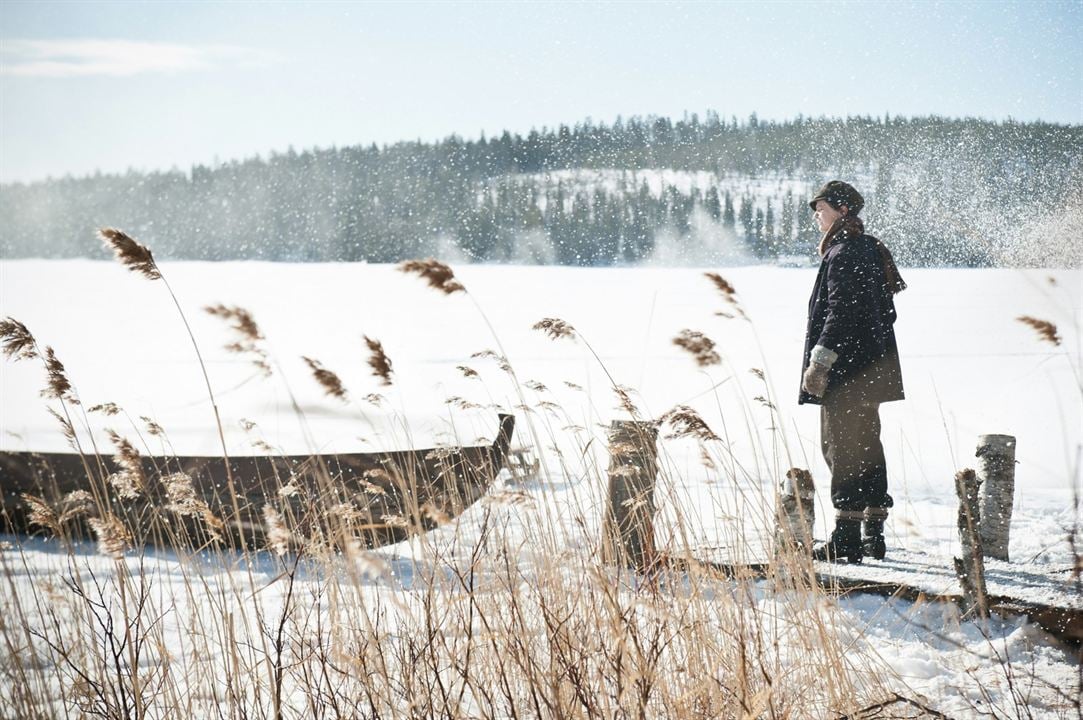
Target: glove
(815, 380)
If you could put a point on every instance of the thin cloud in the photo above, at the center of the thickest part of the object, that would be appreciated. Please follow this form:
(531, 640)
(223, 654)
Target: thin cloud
(118, 58)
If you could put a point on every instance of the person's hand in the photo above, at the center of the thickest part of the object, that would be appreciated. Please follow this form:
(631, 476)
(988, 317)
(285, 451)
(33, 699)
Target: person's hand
(815, 379)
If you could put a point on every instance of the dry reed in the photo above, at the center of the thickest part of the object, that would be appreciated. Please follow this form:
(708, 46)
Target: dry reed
(240, 320)
(16, 340)
(686, 422)
(1047, 331)
(378, 360)
(701, 347)
(501, 361)
(132, 255)
(244, 325)
(555, 328)
(107, 408)
(58, 387)
(153, 428)
(67, 429)
(130, 482)
(729, 294)
(278, 534)
(723, 285)
(329, 381)
(113, 537)
(436, 273)
(40, 513)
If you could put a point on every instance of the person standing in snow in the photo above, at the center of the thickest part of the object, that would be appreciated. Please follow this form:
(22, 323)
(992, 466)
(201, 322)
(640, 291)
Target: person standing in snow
(851, 365)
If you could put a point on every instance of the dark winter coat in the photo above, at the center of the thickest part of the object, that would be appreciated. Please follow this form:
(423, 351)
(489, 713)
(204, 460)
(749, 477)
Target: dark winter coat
(852, 312)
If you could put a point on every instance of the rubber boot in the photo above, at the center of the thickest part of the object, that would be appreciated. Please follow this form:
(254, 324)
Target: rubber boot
(845, 542)
(872, 532)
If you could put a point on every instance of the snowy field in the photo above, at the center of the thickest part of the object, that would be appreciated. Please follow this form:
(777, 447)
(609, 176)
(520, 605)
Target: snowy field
(969, 366)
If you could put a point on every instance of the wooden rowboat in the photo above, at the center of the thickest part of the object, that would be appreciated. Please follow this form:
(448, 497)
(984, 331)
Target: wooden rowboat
(378, 498)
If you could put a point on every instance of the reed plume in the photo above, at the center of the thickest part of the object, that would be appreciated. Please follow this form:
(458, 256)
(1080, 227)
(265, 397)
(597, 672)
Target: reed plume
(461, 403)
(395, 521)
(137, 258)
(107, 408)
(58, 387)
(129, 482)
(153, 428)
(624, 398)
(290, 489)
(501, 361)
(468, 372)
(764, 401)
(706, 460)
(41, 513)
(378, 360)
(66, 428)
(182, 494)
(686, 422)
(113, 538)
(278, 535)
(16, 340)
(75, 504)
(184, 501)
(242, 323)
(328, 380)
(700, 346)
(239, 319)
(723, 285)
(1047, 331)
(555, 328)
(729, 294)
(436, 273)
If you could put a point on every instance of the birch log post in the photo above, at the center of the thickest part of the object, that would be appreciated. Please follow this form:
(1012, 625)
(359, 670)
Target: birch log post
(996, 473)
(628, 527)
(970, 569)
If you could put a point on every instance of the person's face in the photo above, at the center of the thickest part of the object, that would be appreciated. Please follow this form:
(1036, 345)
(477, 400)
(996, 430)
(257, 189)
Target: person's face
(825, 215)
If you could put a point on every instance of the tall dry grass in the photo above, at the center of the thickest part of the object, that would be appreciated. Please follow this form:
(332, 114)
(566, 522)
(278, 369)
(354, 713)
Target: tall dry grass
(507, 611)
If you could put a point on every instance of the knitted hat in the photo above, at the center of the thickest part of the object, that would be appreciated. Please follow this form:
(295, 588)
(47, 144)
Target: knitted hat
(837, 193)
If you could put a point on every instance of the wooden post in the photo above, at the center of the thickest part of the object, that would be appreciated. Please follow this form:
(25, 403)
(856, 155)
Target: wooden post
(971, 568)
(795, 513)
(628, 526)
(996, 473)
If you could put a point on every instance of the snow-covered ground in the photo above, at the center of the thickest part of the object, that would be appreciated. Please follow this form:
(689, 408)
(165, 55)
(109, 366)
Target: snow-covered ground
(970, 368)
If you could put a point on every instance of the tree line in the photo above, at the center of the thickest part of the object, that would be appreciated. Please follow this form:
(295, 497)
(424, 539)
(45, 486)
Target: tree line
(941, 191)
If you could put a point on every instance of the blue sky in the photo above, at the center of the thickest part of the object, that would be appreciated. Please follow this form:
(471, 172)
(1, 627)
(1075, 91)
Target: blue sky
(90, 86)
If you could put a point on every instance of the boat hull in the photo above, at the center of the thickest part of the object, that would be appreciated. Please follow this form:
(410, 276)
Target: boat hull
(374, 498)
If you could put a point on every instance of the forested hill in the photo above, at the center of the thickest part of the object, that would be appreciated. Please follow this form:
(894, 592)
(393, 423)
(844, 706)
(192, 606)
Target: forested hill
(697, 191)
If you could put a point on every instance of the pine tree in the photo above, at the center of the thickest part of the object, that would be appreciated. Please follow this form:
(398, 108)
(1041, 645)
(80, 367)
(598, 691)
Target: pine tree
(713, 204)
(759, 247)
(744, 216)
(770, 239)
(729, 219)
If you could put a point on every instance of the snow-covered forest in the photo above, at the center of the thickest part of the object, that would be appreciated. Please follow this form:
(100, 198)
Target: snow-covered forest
(693, 191)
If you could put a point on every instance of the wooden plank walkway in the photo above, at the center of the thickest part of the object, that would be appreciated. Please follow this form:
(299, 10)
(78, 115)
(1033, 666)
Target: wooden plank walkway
(1048, 596)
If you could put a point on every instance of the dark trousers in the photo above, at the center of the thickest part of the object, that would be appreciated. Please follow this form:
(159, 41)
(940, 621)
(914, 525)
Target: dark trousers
(850, 441)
